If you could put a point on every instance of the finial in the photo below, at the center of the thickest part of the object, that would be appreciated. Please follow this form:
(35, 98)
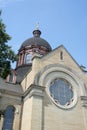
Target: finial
(37, 25)
(37, 32)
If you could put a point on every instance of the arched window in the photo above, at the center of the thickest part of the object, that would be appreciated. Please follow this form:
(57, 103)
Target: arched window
(28, 58)
(8, 118)
(11, 78)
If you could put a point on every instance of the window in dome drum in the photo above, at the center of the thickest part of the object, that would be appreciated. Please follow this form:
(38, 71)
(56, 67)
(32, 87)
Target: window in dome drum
(28, 58)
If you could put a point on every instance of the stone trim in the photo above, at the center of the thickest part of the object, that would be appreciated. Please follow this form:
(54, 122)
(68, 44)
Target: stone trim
(84, 100)
(3, 91)
(34, 90)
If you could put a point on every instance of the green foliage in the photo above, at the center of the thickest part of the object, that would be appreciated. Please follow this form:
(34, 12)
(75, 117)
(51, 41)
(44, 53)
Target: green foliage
(4, 69)
(7, 55)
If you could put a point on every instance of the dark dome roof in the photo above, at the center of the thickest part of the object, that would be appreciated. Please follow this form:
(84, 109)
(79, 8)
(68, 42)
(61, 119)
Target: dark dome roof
(36, 40)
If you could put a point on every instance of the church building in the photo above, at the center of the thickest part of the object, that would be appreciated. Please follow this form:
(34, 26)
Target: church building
(46, 91)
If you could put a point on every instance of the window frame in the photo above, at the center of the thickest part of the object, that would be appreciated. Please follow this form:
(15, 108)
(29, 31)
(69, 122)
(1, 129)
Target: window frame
(28, 58)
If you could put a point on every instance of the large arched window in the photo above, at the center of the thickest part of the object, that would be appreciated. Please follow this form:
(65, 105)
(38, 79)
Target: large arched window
(8, 118)
(28, 58)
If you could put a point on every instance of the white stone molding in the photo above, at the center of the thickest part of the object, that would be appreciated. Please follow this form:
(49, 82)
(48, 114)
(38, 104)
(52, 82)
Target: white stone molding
(84, 101)
(34, 90)
(52, 72)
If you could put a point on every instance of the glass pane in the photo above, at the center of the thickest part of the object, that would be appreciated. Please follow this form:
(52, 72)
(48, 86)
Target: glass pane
(11, 78)
(28, 58)
(61, 91)
(8, 119)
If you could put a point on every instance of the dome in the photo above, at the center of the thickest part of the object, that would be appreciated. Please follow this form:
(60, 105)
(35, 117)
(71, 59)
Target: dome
(32, 47)
(36, 41)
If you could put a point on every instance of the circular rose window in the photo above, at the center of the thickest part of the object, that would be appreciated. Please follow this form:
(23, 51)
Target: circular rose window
(61, 92)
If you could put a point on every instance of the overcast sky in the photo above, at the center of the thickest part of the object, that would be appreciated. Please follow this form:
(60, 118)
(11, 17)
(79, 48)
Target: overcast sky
(60, 21)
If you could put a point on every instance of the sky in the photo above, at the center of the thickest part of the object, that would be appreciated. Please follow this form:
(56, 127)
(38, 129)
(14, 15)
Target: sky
(60, 21)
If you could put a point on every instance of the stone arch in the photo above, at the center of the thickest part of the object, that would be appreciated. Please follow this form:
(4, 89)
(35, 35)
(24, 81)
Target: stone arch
(54, 71)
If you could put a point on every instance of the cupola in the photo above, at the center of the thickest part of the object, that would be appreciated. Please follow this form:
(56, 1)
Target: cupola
(32, 46)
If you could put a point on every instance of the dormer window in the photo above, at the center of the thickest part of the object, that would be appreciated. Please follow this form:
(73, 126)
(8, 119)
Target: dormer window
(8, 118)
(28, 58)
(11, 78)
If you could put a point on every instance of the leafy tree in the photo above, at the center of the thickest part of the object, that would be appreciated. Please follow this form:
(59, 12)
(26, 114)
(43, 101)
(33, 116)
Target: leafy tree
(7, 55)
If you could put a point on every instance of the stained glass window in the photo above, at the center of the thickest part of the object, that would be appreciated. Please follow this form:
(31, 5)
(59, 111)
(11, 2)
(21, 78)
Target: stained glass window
(61, 91)
(8, 118)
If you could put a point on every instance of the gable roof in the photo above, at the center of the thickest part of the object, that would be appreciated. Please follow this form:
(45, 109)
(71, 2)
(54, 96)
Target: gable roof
(62, 47)
(10, 87)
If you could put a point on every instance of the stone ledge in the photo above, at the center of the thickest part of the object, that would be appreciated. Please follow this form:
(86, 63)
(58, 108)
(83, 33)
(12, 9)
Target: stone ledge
(84, 99)
(34, 90)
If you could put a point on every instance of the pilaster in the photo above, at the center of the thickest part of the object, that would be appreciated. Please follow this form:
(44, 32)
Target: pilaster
(84, 104)
(1, 121)
(33, 108)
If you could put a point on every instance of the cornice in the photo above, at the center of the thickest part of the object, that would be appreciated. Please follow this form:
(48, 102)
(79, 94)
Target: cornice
(84, 99)
(34, 90)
